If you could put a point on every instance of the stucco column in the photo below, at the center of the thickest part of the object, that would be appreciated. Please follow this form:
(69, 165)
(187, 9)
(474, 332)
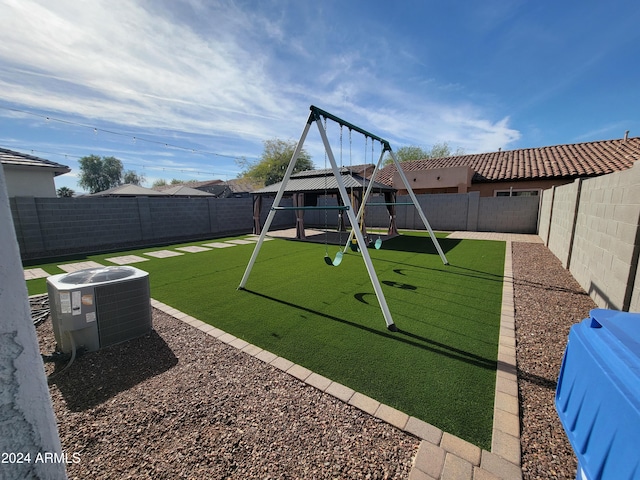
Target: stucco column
(27, 422)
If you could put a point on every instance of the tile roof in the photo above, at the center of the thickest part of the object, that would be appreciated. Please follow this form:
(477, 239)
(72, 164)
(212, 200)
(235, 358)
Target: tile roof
(10, 157)
(558, 161)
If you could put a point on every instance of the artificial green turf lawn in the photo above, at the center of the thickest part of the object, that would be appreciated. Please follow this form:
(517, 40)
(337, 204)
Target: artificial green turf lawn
(440, 365)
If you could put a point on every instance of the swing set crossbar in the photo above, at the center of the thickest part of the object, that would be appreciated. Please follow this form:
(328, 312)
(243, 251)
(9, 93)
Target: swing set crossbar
(328, 207)
(318, 112)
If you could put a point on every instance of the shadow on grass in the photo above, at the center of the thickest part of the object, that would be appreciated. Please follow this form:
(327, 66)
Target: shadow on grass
(98, 376)
(433, 293)
(419, 244)
(399, 336)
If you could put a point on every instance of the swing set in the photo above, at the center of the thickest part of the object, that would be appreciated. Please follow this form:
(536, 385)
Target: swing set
(316, 116)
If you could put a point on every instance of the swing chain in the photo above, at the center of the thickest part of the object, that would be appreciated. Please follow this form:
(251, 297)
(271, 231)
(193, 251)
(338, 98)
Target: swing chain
(326, 218)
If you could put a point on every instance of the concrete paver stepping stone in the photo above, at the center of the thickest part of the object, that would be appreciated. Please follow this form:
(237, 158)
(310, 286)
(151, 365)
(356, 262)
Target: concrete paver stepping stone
(74, 267)
(164, 254)
(255, 238)
(219, 245)
(193, 249)
(240, 242)
(127, 259)
(33, 273)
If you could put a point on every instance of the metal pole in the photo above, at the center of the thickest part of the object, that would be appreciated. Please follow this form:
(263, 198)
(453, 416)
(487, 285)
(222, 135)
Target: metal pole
(354, 227)
(276, 201)
(420, 212)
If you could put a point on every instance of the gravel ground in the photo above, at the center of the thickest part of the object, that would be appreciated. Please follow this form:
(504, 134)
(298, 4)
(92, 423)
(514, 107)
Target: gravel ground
(548, 301)
(179, 404)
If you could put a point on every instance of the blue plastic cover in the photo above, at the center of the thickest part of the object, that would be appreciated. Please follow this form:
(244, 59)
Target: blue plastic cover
(598, 394)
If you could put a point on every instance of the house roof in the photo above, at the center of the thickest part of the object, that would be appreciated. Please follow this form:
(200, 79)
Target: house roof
(127, 190)
(184, 191)
(558, 161)
(319, 181)
(237, 185)
(193, 184)
(10, 157)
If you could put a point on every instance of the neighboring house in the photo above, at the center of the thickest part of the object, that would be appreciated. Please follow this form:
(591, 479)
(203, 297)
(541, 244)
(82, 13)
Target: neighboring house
(520, 172)
(129, 190)
(29, 176)
(238, 187)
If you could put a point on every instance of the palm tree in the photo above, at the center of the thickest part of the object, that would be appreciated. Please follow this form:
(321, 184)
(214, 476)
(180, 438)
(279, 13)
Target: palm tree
(65, 192)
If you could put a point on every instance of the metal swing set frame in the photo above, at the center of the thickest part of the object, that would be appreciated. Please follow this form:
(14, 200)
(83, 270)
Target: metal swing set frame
(316, 116)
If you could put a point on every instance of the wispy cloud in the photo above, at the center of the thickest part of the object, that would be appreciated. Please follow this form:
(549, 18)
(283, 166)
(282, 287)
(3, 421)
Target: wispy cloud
(221, 71)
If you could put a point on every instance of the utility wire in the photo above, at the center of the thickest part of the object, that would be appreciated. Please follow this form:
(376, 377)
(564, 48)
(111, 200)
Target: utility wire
(135, 138)
(125, 161)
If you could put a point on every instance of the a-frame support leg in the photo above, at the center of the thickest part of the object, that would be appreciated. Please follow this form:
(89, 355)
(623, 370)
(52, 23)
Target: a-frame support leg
(354, 228)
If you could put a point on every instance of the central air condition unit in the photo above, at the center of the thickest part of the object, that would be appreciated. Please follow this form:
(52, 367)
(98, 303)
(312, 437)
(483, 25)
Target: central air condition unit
(99, 307)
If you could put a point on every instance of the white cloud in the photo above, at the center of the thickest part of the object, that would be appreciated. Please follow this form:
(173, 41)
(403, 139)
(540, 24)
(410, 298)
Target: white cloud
(217, 71)
(119, 62)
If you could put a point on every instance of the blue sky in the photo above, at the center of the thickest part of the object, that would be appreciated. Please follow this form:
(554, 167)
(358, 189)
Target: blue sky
(180, 89)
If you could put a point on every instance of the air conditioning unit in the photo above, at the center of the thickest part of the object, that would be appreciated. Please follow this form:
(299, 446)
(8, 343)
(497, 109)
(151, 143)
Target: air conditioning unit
(98, 307)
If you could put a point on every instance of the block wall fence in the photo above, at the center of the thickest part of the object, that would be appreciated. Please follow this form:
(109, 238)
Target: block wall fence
(593, 227)
(447, 211)
(49, 227)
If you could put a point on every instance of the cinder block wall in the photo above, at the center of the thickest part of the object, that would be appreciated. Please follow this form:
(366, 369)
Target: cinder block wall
(448, 212)
(47, 227)
(544, 219)
(55, 226)
(605, 250)
(564, 217)
(635, 294)
(600, 244)
(508, 214)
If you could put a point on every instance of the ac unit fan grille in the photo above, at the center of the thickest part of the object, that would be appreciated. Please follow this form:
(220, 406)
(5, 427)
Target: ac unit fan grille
(123, 311)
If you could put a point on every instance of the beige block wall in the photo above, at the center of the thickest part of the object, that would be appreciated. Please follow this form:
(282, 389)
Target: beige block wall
(564, 215)
(544, 219)
(604, 256)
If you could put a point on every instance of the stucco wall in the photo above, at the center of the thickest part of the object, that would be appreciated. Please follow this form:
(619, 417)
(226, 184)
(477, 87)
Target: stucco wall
(29, 183)
(27, 421)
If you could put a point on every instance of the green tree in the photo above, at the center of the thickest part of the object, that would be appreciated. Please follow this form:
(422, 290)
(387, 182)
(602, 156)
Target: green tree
(133, 178)
(65, 192)
(413, 152)
(161, 182)
(99, 173)
(273, 163)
